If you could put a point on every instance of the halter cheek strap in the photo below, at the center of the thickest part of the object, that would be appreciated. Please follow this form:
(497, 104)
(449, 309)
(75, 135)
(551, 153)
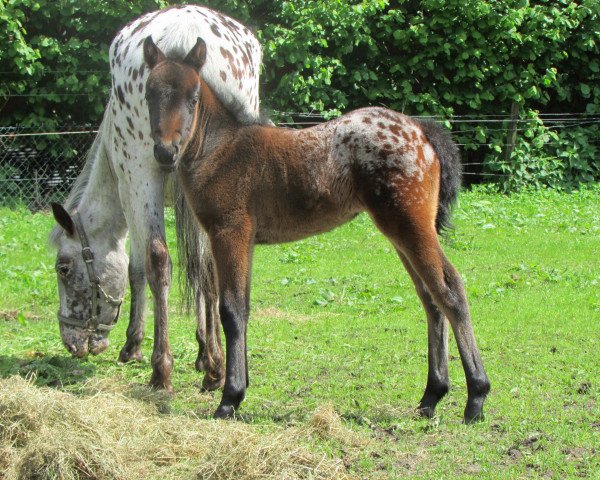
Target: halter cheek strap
(92, 322)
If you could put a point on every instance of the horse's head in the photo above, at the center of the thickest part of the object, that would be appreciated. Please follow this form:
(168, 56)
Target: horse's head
(172, 92)
(92, 278)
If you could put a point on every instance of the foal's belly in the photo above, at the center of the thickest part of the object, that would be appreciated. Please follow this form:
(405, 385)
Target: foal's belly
(287, 226)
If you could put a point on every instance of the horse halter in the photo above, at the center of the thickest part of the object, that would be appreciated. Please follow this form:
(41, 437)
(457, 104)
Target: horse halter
(92, 322)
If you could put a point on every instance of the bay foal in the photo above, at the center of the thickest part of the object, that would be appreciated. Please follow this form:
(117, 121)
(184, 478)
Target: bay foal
(250, 184)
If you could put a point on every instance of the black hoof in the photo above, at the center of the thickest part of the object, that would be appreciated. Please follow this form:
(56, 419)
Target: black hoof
(426, 412)
(474, 411)
(224, 412)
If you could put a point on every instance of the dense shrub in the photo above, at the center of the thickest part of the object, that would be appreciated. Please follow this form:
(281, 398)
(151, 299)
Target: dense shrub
(470, 62)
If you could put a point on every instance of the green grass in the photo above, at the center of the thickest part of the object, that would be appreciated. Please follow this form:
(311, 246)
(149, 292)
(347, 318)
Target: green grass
(335, 320)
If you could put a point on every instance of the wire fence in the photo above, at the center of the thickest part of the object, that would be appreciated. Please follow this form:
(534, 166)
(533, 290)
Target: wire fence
(38, 167)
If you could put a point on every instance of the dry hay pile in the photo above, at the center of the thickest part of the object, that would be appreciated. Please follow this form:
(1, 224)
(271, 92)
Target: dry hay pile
(47, 434)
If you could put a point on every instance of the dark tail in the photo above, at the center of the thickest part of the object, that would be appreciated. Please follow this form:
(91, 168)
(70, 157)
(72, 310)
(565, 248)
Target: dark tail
(451, 171)
(196, 269)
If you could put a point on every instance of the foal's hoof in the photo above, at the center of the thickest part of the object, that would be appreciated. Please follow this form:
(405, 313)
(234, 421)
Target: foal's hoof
(224, 412)
(474, 418)
(474, 411)
(426, 412)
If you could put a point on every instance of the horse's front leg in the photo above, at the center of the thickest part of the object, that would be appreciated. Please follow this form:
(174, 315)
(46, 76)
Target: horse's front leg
(232, 247)
(158, 271)
(137, 281)
(145, 217)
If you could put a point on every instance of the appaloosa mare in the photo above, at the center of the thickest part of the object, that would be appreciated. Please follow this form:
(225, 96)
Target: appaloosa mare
(122, 188)
(261, 184)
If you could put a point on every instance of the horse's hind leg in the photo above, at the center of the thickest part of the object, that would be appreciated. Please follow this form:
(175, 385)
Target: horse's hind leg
(443, 282)
(412, 231)
(438, 382)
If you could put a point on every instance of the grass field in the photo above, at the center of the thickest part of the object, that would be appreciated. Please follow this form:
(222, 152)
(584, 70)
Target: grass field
(335, 322)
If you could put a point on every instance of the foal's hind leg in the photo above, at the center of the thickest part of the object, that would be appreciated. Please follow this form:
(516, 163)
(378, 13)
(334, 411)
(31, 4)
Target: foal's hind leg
(425, 255)
(411, 229)
(438, 382)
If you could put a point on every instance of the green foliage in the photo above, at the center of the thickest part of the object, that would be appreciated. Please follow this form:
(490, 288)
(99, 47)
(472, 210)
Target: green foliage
(454, 59)
(55, 70)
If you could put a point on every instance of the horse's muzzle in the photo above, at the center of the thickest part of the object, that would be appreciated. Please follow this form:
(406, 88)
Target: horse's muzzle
(166, 156)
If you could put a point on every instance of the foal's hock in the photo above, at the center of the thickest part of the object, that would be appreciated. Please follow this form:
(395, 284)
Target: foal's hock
(250, 184)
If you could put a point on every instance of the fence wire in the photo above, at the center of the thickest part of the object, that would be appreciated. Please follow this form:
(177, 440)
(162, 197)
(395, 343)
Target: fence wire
(37, 168)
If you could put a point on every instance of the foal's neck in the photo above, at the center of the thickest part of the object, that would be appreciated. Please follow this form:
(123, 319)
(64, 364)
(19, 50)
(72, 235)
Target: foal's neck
(215, 124)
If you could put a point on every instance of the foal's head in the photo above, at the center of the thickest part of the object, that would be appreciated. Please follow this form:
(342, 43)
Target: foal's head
(172, 93)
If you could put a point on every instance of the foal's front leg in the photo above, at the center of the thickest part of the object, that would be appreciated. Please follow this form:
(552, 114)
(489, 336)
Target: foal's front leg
(232, 248)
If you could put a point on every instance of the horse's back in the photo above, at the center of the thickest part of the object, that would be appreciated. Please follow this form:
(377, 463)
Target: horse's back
(234, 55)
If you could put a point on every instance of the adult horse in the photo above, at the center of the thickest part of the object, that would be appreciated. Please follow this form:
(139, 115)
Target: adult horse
(261, 184)
(121, 188)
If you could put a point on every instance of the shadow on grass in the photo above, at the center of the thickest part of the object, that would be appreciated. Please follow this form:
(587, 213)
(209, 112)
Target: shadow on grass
(51, 371)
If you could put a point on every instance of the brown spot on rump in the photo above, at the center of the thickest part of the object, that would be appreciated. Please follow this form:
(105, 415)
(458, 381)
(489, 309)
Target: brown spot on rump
(215, 30)
(380, 125)
(381, 135)
(395, 128)
(141, 135)
(134, 74)
(406, 136)
(367, 120)
(223, 75)
(347, 139)
(414, 135)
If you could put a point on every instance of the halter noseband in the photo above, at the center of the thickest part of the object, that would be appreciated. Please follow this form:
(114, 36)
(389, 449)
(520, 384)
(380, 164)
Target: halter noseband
(92, 322)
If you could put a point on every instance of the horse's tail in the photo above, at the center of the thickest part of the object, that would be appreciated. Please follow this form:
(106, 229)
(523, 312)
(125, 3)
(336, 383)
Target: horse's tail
(196, 268)
(451, 171)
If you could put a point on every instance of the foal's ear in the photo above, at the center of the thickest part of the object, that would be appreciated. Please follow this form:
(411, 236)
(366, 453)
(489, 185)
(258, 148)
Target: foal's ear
(152, 54)
(63, 218)
(197, 55)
